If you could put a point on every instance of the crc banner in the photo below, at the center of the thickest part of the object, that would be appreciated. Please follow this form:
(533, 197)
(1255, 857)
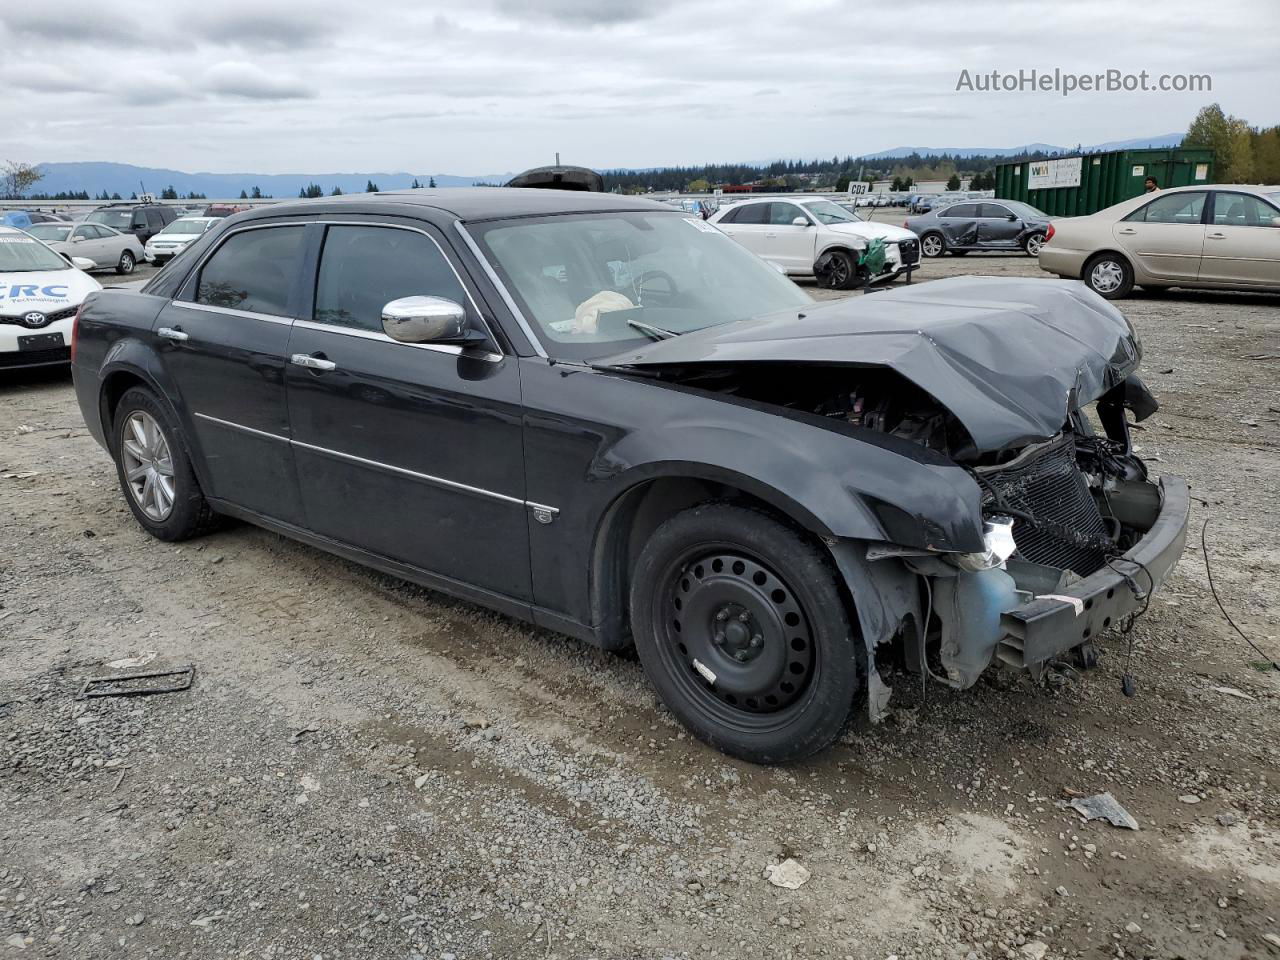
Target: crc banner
(1045, 174)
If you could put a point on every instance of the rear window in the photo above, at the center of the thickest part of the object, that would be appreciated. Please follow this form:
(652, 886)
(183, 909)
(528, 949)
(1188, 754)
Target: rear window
(119, 219)
(253, 270)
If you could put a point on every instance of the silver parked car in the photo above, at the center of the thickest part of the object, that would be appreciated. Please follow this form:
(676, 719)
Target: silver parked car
(108, 249)
(980, 225)
(1225, 237)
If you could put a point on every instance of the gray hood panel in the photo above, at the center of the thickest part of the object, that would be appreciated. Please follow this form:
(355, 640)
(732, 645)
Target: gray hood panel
(1008, 358)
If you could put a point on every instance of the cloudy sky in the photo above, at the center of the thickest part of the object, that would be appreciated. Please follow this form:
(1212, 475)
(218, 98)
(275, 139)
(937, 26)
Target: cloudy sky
(486, 86)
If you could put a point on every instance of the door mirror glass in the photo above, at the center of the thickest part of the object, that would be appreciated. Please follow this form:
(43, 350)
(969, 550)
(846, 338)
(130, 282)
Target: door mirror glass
(425, 320)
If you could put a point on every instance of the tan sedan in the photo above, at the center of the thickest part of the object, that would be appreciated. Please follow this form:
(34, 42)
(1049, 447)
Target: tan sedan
(1220, 236)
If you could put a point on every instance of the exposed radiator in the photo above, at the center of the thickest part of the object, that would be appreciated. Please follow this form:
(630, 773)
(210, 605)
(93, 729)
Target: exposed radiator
(1046, 482)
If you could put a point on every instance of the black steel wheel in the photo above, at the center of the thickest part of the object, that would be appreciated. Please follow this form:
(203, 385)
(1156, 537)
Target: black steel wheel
(740, 625)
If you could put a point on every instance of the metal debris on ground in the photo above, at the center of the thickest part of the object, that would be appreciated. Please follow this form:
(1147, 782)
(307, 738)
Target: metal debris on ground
(788, 874)
(119, 685)
(1102, 806)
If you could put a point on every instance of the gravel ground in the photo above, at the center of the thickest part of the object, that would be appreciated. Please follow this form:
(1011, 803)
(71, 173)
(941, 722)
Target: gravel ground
(364, 769)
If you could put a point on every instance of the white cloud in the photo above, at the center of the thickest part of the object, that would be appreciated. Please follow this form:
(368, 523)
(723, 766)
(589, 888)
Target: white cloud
(488, 85)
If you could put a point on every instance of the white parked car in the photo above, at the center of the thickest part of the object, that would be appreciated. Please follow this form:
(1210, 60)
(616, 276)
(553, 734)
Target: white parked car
(40, 291)
(177, 236)
(815, 237)
(108, 249)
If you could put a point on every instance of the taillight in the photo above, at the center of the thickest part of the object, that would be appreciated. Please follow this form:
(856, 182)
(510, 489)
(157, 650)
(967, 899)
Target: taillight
(75, 331)
(904, 225)
(1048, 234)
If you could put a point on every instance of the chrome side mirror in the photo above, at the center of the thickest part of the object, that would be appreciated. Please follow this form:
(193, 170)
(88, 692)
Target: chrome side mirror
(799, 222)
(425, 320)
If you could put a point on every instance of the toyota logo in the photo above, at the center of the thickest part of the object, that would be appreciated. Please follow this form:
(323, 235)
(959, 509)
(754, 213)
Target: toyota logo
(34, 319)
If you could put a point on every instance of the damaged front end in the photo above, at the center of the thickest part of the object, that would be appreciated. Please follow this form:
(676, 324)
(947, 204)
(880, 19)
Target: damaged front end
(1025, 389)
(1076, 538)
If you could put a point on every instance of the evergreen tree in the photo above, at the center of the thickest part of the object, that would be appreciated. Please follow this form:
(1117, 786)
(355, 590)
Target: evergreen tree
(243, 195)
(336, 192)
(415, 185)
(256, 194)
(431, 183)
(371, 187)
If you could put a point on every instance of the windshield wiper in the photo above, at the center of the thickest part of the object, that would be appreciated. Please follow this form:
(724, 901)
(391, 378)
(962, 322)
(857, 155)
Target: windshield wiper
(657, 333)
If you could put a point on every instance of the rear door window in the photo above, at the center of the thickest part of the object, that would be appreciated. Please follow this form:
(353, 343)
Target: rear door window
(362, 269)
(963, 210)
(753, 213)
(1242, 210)
(254, 270)
(993, 211)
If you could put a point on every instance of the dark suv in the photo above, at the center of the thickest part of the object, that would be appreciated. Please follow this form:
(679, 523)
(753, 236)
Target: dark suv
(143, 220)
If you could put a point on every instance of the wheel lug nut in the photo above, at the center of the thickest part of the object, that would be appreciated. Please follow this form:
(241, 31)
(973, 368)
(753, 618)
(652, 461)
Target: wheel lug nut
(743, 617)
(722, 614)
(757, 640)
(740, 656)
(719, 638)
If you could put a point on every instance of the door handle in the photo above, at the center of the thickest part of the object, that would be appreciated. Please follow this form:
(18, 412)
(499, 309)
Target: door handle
(771, 235)
(172, 333)
(313, 362)
(1128, 231)
(1217, 236)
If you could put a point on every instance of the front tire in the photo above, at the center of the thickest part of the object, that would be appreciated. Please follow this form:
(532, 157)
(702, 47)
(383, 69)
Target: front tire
(933, 245)
(126, 264)
(154, 469)
(841, 272)
(741, 627)
(1109, 275)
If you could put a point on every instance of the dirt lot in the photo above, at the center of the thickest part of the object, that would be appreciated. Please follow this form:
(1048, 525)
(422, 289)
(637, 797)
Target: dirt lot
(364, 769)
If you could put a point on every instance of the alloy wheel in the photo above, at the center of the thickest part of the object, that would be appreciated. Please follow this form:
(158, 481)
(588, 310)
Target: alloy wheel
(148, 465)
(931, 245)
(1034, 243)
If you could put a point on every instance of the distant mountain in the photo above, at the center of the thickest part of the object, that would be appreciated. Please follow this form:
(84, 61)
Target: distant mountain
(965, 151)
(124, 179)
(1167, 140)
(1164, 140)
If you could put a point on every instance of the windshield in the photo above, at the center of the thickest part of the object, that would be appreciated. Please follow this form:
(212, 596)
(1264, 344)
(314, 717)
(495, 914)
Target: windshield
(119, 219)
(1025, 210)
(49, 232)
(829, 212)
(24, 255)
(592, 284)
(185, 226)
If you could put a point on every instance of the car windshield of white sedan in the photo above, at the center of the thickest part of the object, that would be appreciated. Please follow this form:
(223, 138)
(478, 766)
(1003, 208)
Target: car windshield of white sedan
(597, 283)
(185, 226)
(117, 219)
(49, 232)
(25, 255)
(829, 212)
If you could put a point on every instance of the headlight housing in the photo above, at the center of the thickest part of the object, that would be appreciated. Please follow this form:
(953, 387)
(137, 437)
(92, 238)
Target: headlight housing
(997, 539)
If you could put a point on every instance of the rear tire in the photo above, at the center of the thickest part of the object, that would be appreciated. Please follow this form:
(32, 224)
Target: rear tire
(1108, 275)
(741, 626)
(933, 245)
(154, 469)
(1033, 244)
(126, 264)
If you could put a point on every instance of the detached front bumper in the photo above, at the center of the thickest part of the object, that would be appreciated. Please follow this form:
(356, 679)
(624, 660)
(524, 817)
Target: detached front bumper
(1050, 625)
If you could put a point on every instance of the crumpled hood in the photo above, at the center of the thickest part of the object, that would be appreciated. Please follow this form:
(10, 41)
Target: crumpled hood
(871, 230)
(1008, 358)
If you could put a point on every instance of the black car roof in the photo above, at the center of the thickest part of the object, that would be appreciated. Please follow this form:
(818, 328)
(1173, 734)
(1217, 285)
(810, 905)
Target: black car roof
(464, 203)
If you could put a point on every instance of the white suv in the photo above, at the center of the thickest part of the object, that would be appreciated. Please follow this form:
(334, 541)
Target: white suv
(814, 237)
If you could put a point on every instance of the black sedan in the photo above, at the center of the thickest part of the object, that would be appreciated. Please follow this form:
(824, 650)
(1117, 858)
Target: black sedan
(602, 415)
(980, 225)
